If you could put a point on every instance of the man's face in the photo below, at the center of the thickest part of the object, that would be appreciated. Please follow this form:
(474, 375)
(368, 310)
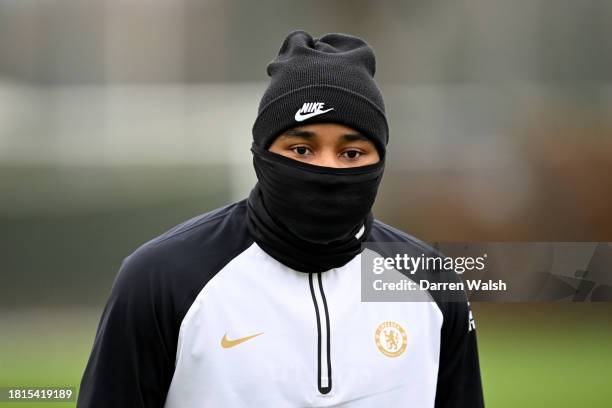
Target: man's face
(326, 144)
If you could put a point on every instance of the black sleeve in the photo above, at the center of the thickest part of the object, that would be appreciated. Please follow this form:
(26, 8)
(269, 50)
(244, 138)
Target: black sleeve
(459, 382)
(132, 361)
(133, 357)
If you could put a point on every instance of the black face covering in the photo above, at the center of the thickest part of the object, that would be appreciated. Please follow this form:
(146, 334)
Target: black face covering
(308, 217)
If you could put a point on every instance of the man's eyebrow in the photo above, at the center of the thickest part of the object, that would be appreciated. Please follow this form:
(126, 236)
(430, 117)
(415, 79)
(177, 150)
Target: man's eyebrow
(351, 137)
(348, 137)
(300, 133)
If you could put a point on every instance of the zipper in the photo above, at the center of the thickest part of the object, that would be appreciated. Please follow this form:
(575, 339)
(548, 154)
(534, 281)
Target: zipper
(324, 376)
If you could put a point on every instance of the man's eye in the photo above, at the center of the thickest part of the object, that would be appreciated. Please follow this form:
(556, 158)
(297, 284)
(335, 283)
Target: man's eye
(351, 154)
(301, 150)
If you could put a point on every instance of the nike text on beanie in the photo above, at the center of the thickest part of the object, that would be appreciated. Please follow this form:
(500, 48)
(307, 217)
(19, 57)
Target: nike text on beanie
(327, 79)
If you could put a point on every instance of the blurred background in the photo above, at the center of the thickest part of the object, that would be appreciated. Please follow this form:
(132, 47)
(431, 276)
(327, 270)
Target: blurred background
(120, 119)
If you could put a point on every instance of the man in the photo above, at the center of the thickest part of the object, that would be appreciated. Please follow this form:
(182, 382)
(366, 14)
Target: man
(257, 304)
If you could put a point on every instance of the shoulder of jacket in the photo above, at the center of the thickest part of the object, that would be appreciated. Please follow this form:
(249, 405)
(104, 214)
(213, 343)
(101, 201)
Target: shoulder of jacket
(382, 232)
(205, 241)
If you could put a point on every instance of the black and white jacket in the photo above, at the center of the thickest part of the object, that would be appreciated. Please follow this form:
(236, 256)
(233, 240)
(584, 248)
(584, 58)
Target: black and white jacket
(201, 316)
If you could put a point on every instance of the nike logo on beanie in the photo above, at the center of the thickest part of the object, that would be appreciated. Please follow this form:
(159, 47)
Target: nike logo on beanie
(310, 109)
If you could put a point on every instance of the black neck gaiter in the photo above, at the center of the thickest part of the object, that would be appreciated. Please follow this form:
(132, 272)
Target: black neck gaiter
(311, 218)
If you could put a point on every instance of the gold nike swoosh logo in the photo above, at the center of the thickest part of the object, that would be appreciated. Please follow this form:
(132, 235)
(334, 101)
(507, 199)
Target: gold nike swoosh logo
(227, 343)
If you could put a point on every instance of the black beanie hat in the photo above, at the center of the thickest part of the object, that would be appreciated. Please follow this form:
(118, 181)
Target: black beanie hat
(327, 79)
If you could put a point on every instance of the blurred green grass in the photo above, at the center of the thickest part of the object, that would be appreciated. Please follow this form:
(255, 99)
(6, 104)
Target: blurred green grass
(532, 355)
(45, 348)
(546, 355)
